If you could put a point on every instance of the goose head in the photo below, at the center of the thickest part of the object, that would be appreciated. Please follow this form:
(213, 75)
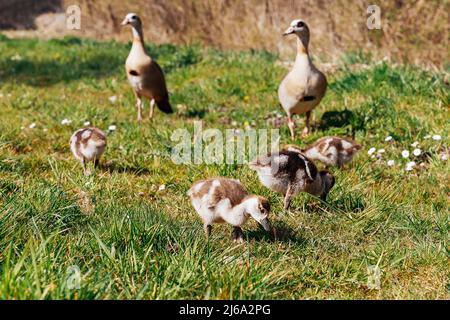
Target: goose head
(258, 208)
(133, 20)
(299, 28)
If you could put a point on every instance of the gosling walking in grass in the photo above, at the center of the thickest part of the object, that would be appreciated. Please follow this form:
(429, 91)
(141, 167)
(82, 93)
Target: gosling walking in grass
(289, 173)
(222, 200)
(304, 86)
(88, 145)
(332, 151)
(144, 74)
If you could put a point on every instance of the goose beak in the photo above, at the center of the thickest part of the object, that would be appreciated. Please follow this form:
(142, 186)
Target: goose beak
(288, 31)
(124, 22)
(266, 224)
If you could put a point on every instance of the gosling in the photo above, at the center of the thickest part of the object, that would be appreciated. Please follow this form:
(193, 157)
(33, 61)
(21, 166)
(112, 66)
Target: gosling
(331, 151)
(88, 145)
(289, 173)
(222, 200)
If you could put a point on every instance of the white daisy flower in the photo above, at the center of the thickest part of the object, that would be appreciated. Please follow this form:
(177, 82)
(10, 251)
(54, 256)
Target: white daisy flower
(444, 157)
(16, 57)
(162, 187)
(405, 154)
(417, 152)
(381, 151)
(410, 166)
(371, 151)
(66, 122)
(32, 126)
(391, 163)
(112, 99)
(437, 137)
(388, 138)
(86, 123)
(415, 144)
(112, 127)
(234, 123)
(427, 136)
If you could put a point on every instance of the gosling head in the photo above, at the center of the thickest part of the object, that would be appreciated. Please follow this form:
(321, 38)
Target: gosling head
(258, 208)
(328, 181)
(133, 20)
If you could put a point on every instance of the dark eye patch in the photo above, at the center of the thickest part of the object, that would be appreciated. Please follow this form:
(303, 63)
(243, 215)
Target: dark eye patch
(300, 24)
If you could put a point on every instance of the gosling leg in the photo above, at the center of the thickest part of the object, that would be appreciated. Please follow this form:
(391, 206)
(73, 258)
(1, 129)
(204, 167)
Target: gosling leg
(237, 235)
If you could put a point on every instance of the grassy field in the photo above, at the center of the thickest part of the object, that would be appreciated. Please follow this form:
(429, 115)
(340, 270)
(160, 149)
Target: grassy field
(130, 228)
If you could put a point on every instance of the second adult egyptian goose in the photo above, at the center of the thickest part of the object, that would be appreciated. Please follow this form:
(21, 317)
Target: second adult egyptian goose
(304, 86)
(144, 74)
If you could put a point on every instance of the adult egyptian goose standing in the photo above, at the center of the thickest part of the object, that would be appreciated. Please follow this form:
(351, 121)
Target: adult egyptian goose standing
(87, 145)
(304, 86)
(289, 173)
(222, 200)
(144, 74)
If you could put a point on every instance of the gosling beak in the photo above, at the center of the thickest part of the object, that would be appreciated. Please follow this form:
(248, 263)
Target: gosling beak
(124, 22)
(288, 31)
(266, 224)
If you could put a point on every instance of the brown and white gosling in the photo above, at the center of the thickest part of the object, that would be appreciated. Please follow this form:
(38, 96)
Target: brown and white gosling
(88, 144)
(222, 200)
(332, 151)
(289, 173)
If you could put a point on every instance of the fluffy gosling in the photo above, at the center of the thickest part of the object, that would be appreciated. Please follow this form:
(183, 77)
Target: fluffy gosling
(87, 145)
(289, 173)
(223, 200)
(332, 151)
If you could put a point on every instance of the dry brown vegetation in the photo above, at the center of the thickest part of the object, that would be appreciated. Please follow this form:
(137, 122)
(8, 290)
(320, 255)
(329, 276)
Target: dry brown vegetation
(415, 31)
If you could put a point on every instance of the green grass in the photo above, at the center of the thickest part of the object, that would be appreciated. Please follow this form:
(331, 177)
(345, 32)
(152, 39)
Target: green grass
(131, 241)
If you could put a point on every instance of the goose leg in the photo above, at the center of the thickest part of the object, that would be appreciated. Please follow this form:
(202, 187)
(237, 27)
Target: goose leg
(237, 234)
(208, 229)
(305, 131)
(139, 107)
(152, 108)
(291, 125)
(86, 172)
(287, 197)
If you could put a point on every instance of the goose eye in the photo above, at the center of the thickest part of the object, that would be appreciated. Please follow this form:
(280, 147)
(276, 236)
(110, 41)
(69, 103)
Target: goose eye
(133, 17)
(300, 24)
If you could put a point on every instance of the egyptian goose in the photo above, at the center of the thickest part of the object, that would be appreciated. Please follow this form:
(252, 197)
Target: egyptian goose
(87, 145)
(332, 151)
(144, 74)
(223, 200)
(304, 86)
(289, 173)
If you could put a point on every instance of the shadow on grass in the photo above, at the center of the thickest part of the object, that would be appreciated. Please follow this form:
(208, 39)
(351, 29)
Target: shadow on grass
(117, 167)
(282, 233)
(49, 72)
